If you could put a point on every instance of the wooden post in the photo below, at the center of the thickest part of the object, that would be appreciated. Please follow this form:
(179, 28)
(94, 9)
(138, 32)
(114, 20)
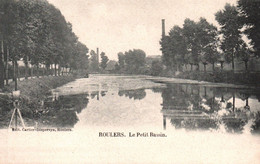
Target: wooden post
(6, 66)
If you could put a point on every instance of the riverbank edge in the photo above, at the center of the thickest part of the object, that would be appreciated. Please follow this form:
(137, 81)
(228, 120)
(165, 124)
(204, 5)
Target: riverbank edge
(173, 80)
(32, 91)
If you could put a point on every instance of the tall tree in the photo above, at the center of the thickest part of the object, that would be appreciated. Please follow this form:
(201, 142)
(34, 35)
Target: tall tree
(104, 60)
(207, 35)
(93, 61)
(230, 29)
(135, 60)
(190, 29)
(178, 49)
(121, 60)
(250, 16)
(244, 54)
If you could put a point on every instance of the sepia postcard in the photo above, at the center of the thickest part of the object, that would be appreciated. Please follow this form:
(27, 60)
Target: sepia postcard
(137, 81)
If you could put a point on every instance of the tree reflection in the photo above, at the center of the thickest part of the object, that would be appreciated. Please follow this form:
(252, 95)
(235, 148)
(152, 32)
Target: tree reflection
(5, 110)
(61, 112)
(135, 94)
(201, 107)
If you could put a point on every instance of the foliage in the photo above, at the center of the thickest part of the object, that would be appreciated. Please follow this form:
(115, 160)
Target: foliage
(104, 60)
(36, 30)
(250, 16)
(132, 61)
(94, 66)
(156, 68)
(230, 29)
(195, 42)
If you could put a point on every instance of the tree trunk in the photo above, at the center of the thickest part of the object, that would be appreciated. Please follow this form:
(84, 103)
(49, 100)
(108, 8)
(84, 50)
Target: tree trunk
(205, 68)
(51, 68)
(31, 71)
(47, 70)
(222, 64)
(55, 69)
(26, 67)
(14, 75)
(233, 63)
(13, 62)
(17, 71)
(2, 65)
(43, 70)
(59, 70)
(37, 70)
(6, 66)
(191, 67)
(213, 66)
(246, 66)
(62, 71)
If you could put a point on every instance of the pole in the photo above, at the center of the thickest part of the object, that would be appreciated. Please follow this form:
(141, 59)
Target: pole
(6, 66)
(15, 118)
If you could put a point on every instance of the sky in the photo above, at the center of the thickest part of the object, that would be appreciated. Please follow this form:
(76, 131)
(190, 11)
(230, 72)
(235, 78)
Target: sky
(120, 25)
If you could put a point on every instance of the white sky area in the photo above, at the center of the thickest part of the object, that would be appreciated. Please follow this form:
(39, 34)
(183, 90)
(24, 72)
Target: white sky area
(119, 25)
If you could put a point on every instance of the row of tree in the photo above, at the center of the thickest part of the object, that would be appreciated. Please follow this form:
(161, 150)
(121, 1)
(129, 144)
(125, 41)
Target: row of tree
(201, 42)
(37, 33)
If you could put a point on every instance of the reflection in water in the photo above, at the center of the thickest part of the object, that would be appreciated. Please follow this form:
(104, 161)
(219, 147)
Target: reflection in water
(5, 110)
(56, 111)
(205, 108)
(137, 94)
(62, 111)
(191, 107)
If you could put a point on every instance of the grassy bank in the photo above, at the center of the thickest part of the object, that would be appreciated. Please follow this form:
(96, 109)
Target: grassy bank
(243, 78)
(33, 91)
(37, 88)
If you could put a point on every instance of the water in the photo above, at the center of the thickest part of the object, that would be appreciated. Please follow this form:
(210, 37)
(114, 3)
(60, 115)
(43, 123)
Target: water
(134, 102)
(203, 124)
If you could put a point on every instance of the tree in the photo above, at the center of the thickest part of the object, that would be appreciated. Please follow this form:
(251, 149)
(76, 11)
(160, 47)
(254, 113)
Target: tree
(250, 17)
(190, 29)
(178, 49)
(230, 29)
(135, 60)
(207, 35)
(244, 54)
(37, 32)
(166, 53)
(121, 60)
(156, 68)
(93, 61)
(104, 60)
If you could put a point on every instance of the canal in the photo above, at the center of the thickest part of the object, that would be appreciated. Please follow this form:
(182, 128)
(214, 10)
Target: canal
(137, 102)
(194, 123)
